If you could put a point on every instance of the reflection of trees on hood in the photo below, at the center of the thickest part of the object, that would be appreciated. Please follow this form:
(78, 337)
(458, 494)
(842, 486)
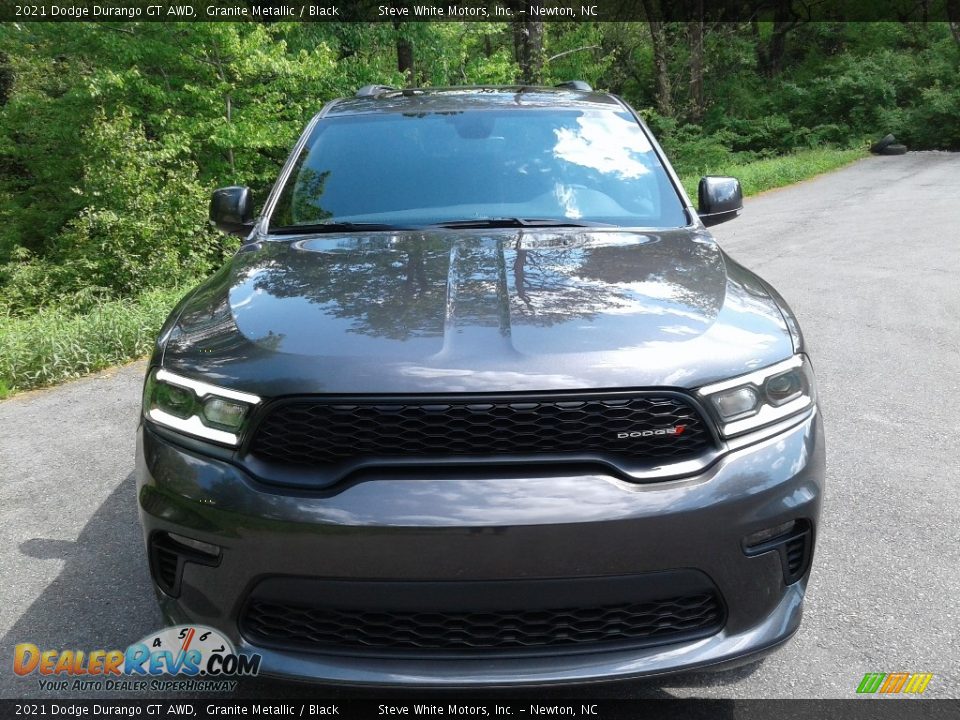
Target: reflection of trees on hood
(548, 287)
(406, 286)
(690, 273)
(388, 288)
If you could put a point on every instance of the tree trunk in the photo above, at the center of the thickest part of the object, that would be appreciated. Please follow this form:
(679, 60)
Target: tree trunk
(405, 59)
(528, 43)
(218, 64)
(229, 109)
(404, 48)
(695, 31)
(783, 22)
(778, 45)
(6, 79)
(660, 66)
(760, 61)
(953, 18)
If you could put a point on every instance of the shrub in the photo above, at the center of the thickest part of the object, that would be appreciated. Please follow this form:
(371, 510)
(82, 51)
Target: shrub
(53, 345)
(143, 226)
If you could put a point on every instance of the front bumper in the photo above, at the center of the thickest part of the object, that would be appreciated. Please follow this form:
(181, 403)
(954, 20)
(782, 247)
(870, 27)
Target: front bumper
(541, 524)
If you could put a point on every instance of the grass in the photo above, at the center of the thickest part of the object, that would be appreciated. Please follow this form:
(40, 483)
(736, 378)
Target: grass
(57, 345)
(760, 175)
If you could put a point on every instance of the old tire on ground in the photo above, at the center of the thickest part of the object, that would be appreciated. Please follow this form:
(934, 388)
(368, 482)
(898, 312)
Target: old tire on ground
(896, 149)
(883, 142)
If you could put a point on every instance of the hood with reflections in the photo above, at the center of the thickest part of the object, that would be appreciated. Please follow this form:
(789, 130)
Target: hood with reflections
(478, 311)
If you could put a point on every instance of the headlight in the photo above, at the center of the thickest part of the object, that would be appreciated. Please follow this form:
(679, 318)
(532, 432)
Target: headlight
(197, 408)
(763, 397)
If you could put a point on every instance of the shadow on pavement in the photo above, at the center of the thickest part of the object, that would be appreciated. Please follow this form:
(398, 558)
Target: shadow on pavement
(103, 599)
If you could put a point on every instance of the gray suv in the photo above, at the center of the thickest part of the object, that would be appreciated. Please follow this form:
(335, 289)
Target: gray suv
(480, 401)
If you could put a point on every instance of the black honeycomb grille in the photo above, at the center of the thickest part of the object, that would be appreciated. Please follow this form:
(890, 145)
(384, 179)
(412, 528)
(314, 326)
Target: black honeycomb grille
(660, 428)
(166, 563)
(319, 629)
(796, 551)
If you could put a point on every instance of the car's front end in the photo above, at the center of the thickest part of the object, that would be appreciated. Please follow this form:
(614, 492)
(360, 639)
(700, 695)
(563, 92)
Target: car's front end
(452, 456)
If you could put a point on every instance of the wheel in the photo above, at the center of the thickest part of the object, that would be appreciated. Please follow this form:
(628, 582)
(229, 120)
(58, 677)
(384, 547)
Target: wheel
(883, 142)
(896, 149)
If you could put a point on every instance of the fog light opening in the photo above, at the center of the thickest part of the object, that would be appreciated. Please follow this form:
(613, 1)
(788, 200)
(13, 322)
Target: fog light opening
(763, 536)
(198, 545)
(792, 541)
(169, 553)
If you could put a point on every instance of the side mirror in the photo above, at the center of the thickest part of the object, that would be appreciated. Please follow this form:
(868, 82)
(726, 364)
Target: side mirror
(719, 199)
(231, 210)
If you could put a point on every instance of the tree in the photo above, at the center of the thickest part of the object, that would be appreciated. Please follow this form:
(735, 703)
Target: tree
(953, 16)
(528, 41)
(664, 93)
(770, 54)
(695, 32)
(404, 46)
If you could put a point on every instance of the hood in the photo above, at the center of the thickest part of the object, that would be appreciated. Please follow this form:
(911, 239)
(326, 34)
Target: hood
(477, 311)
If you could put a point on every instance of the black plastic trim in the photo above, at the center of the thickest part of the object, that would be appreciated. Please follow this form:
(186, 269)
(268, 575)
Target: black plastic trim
(787, 546)
(483, 596)
(163, 548)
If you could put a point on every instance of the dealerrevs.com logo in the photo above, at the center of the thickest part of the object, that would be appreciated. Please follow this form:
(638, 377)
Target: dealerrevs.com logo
(201, 654)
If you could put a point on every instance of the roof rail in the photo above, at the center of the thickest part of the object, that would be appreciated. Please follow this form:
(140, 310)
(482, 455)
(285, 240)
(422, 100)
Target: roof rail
(575, 85)
(372, 90)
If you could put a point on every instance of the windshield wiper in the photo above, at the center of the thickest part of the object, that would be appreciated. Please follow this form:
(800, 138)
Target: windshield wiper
(517, 222)
(495, 222)
(332, 227)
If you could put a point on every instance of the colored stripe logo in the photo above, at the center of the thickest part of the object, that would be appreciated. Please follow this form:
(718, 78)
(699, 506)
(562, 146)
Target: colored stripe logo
(894, 683)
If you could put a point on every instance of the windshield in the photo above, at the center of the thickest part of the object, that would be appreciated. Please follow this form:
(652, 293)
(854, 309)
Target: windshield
(554, 166)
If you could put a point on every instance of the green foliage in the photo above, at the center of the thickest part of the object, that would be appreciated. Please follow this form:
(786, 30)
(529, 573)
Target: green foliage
(43, 116)
(57, 344)
(460, 54)
(578, 51)
(106, 195)
(142, 225)
(691, 150)
(845, 84)
(757, 176)
(926, 113)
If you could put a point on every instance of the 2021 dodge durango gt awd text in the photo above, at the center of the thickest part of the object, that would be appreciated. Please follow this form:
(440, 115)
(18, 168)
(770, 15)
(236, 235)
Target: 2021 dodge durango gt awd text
(480, 401)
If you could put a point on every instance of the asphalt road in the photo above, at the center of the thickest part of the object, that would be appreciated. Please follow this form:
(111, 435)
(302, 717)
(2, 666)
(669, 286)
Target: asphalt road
(868, 257)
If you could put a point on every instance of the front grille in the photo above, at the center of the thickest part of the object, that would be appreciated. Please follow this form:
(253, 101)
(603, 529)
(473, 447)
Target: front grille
(333, 432)
(332, 629)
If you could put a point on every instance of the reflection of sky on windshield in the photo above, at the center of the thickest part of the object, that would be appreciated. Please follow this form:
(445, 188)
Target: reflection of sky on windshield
(605, 142)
